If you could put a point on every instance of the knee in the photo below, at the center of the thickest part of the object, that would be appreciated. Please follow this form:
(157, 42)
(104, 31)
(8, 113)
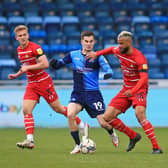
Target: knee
(103, 123)
(58, 108)
(140, 114)
(111, 113)
(26, 111)
(71, 116)
(106, 118)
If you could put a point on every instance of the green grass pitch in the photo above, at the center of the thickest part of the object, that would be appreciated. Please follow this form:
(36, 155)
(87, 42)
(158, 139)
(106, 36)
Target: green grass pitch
(52, 147)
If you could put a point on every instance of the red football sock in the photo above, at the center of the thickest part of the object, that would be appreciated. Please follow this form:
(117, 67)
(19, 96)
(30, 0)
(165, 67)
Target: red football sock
(78, 120)
(29, 123)
(149, 131)
(119, 125)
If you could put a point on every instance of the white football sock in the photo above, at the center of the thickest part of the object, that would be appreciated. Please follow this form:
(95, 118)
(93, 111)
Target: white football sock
(30, 137)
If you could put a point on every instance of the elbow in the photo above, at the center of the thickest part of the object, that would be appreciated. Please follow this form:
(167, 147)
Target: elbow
(46, 65)
(145, 78)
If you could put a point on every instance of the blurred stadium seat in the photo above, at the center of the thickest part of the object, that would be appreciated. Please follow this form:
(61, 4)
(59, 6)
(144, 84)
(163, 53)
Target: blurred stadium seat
(56, 25)
(34, 22)
(70, 24)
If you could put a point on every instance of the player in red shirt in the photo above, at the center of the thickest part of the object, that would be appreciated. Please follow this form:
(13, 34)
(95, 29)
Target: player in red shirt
(134, 92)
(34, 62)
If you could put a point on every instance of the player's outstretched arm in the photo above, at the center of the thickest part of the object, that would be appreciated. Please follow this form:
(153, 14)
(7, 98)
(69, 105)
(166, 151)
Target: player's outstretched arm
(16, 75)
(54, 64)
(42, 64)
(91, 55)
(57, 64)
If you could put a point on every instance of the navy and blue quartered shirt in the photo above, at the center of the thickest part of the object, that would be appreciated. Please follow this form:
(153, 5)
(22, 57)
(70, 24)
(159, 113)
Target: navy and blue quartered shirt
(85, 72)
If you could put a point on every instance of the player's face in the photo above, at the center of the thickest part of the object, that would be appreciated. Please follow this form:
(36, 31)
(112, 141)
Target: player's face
(124, 45)
(23, 37)
(88, 43)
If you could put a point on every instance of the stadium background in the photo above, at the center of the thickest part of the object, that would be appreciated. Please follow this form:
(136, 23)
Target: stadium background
(56, 25)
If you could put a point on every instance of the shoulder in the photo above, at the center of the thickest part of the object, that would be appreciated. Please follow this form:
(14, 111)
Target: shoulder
(101, 58)
(34, 45)
(36, 48)
(19, 48)
(139, 56)
(115, 50)
(138, 53)
(75, 52)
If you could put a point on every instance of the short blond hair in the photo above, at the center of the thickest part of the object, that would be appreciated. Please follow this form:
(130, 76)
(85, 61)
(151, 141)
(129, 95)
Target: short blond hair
(126, 34)
(20, 27)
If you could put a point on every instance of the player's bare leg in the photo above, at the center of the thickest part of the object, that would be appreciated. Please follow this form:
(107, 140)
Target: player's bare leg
(109, 129)
(140, 112)
(28, 106)
(111, 116)
(59, 108)
(73, 110)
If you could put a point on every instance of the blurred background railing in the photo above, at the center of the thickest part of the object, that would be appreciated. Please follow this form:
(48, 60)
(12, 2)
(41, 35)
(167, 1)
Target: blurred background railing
(104, 84)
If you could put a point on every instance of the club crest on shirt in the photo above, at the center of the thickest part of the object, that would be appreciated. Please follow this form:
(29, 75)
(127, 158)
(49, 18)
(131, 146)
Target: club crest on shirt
(145, 66)
(39, 51)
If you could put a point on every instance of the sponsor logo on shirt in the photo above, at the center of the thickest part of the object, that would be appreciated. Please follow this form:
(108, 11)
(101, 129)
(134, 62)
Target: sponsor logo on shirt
(77, 58)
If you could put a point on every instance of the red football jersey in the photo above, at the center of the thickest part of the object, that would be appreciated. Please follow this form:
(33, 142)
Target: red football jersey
(28, 56)
(131, 65)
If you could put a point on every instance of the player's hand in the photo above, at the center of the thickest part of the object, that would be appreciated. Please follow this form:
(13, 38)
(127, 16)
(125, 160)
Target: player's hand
(53, 63)
(91, 55)
(128, 93)
(107, 76)
(11, 76)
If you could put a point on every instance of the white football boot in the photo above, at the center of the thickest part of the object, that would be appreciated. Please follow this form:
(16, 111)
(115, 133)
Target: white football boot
(115, 138)
(75, 150)
(25, 144)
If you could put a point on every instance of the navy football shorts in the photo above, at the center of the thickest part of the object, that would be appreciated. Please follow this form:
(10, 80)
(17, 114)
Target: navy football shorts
(92, 101)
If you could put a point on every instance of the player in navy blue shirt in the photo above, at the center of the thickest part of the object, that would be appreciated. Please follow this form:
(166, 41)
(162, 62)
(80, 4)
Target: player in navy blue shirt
(86, 93)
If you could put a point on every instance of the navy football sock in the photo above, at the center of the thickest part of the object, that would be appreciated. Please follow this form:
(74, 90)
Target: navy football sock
(75, 135)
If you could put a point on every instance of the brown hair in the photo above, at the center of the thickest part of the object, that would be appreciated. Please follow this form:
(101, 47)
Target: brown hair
(87, 33)
(20, 27)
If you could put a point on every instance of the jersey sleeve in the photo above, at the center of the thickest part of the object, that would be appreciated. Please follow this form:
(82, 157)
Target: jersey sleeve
(104, 65)
(67, 59)
(38, 51)
(142, 63)
(62, 62)
(106, 51)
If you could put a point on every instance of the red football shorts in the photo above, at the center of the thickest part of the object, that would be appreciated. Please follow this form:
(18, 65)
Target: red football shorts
(44, 88)
(123, 102)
